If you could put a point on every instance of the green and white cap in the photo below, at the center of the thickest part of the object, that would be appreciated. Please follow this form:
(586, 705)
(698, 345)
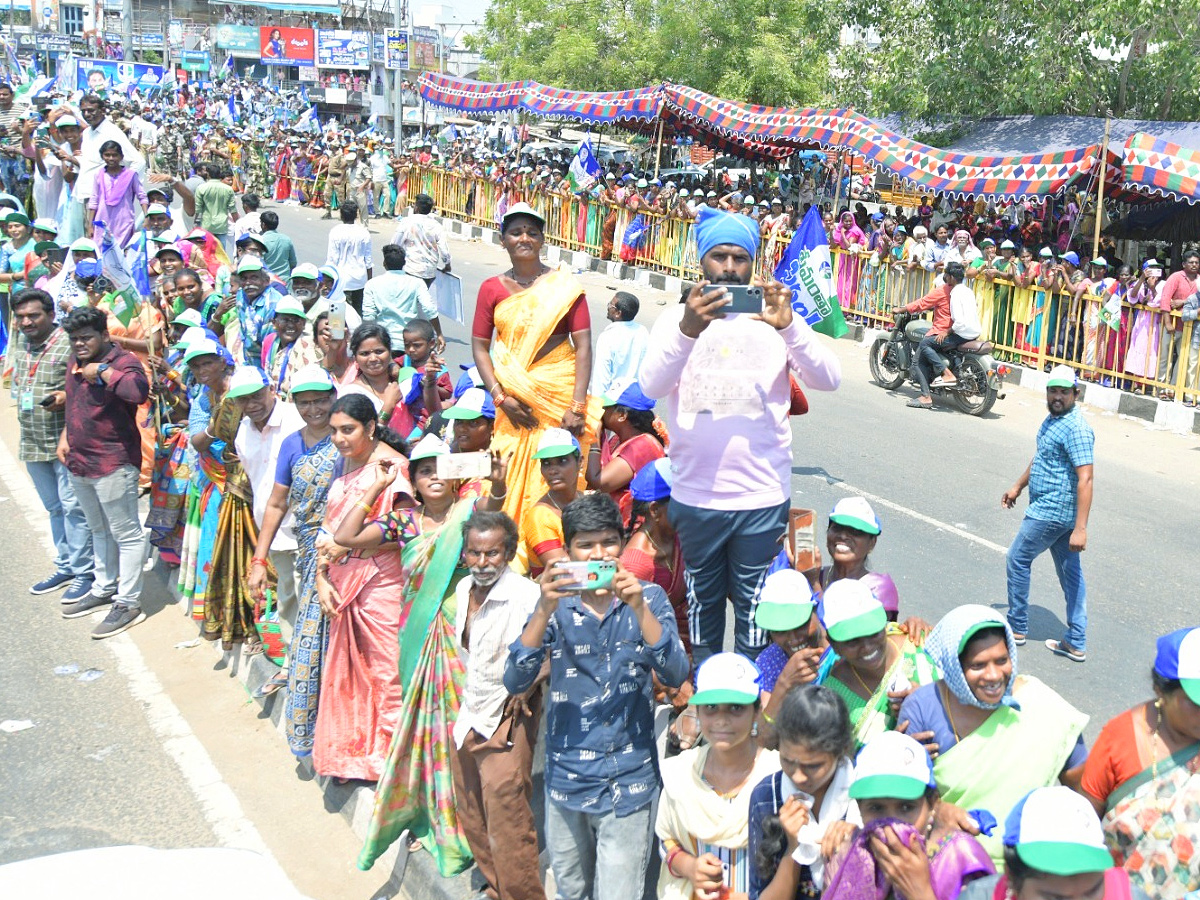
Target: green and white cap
(1055, 830)
(429, 446)
(306, 270)
(1061, 376)
(556, 442)
(313, 377)
(84, 245)
(892, 764)
(851, 611)
(189, 317)
(726, 678)
(856, 513)
(246, 380)
(785, 601)
(205, 346)
(249, 264)
(289, 306)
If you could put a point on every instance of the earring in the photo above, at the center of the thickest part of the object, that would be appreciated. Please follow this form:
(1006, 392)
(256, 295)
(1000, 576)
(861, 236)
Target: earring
(754, 730)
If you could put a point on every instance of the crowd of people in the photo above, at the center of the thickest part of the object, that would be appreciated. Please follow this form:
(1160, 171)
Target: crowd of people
(443, 566)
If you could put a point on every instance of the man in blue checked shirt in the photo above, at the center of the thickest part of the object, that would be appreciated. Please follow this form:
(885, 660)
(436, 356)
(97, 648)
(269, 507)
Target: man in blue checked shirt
(601, 766)
(1060, 499)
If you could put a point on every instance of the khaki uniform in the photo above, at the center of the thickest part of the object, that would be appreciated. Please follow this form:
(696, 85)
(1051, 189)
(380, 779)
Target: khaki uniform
(336, 181)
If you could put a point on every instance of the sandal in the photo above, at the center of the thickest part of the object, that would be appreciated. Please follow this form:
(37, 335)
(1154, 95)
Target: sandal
(271, 685)
(1061, 648)
(917, 404)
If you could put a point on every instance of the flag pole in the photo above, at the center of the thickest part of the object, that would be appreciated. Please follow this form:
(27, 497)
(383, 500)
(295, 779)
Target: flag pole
(1100, 188)
(658, 146)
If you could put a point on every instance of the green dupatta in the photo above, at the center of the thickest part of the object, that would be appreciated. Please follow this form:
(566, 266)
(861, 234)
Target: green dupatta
(416, 792)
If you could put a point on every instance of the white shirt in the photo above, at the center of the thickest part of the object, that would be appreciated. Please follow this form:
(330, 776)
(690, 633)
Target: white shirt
(350, 254)
(497, 623)
(89, 156)
(259, 452)
(424, 243)
(618, 358)
(247, 224)
(964, 313)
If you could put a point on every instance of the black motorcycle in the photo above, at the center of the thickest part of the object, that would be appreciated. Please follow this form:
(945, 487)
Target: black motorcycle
(980, 378)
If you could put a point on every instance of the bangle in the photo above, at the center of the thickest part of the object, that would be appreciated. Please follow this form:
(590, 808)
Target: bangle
(496, 496)
(259, 561)
(671, 858)
(209, 433)
(365, 507)
(496, 387)
(579, 406)
(767, 718)
(499, 401)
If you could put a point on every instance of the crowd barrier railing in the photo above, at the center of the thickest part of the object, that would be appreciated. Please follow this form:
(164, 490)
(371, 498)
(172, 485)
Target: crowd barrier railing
(1143, 350)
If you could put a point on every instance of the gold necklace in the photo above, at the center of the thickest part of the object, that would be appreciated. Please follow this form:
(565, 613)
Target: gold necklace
(863, 684)
(950, 715)
(658, 551)
(1161, 830)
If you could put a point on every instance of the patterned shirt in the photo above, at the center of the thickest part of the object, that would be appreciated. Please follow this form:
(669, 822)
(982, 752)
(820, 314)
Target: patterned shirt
(1064, 443)
(600, 753)
(37, 373)
(256, 318)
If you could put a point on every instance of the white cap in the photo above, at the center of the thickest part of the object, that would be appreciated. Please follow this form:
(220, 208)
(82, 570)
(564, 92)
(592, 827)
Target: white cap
(892, 764)
(785, 601)
(204, 346)
(726, 678)
(1056, 830)
(289, 306)
(157, 209)
(1061, 376)
(246, 380)
(852, 611)
(556, 442)
(188, 317)
(45, 223)
(429, 446)
(313, 377)
(306, 270)
(190, 336)
(84, 245)
(856, 513)
(521, 209)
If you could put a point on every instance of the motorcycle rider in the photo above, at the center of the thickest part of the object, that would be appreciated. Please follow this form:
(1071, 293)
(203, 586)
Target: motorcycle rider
(955, 321)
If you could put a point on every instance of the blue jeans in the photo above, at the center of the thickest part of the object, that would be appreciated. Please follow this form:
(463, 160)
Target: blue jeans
(599, 857)
(15, 174)
(68, 526)
(110, 504)
(727, 553)
(1034, 538)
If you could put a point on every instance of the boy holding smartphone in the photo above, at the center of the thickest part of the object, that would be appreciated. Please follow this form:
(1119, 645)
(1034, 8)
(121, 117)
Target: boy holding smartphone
(601, 765)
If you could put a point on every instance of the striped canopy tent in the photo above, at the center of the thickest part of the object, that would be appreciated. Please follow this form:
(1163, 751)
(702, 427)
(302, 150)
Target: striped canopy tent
(973, 175)
(1148, 168)
(1161, 168)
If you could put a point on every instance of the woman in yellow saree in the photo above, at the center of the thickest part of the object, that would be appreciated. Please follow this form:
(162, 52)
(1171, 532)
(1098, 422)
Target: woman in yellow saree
(539, 368)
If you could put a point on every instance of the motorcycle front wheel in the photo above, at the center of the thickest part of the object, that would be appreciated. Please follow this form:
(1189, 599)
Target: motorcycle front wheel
(883, 368)
(974, 395)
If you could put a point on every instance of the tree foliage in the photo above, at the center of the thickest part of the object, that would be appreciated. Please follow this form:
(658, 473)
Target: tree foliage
(935, 59)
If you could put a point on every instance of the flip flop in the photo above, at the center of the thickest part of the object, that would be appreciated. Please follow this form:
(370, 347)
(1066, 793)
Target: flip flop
(917, 404)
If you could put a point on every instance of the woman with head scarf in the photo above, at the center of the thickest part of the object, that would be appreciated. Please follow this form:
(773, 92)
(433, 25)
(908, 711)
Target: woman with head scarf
(848, 237)
(994, 736)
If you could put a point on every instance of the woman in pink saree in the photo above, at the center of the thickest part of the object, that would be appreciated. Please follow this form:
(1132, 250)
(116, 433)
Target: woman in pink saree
(848, 237)
(360, 593)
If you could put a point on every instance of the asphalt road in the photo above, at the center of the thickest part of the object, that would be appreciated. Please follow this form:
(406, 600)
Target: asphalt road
(164, 748)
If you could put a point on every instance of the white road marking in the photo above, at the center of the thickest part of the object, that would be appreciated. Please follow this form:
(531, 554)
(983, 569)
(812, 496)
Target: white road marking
(217, 801)
(912, 513)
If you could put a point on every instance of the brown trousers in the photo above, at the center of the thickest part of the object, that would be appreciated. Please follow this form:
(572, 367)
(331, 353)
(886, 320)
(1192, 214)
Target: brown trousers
(493, 788)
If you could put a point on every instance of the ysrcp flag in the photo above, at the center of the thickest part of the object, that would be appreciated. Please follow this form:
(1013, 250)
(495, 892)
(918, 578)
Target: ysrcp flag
(808, 271)
(584, 171)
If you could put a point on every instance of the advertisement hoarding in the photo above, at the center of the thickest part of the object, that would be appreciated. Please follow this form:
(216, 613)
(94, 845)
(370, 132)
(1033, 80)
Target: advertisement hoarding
(423, 49)
(286, 46)
(343, 49)
(114, 75)
(395, 49)
(240, 40)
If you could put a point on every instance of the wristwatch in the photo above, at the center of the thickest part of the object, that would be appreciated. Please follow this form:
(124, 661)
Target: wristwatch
(101, 369)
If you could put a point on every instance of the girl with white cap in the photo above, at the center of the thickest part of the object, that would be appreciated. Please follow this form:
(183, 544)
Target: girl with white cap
(703, 813)
(902, 847)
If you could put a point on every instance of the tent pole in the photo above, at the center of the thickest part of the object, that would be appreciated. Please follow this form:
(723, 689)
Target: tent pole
(837, 184)
(1100, 188)
(658, 146)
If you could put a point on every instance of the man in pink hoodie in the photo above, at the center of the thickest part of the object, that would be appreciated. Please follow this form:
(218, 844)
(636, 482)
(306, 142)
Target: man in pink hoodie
(725, 380)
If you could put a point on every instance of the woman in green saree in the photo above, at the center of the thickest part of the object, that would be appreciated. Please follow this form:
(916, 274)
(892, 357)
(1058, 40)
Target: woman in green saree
(994, 736)
(878, 664)
(416, 792)
(1143, 775)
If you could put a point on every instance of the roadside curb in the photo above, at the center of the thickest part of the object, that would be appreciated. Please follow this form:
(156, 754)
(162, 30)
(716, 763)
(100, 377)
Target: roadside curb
(414, 875)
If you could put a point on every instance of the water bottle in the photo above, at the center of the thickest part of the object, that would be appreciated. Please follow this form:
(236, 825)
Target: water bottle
(337, 319)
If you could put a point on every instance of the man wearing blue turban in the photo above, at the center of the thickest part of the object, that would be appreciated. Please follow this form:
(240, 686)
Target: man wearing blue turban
(728, 391)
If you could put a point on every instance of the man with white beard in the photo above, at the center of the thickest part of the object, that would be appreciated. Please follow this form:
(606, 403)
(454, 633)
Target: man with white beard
(495, 732)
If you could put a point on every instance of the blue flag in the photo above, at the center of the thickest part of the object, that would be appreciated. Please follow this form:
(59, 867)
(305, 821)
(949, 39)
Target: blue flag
(228, 67)
(303, 94)
(228, 112)
(807, 269)
(141, 271)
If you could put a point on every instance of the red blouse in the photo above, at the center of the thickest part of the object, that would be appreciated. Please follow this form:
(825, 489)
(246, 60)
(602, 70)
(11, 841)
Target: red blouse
(492, 291)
